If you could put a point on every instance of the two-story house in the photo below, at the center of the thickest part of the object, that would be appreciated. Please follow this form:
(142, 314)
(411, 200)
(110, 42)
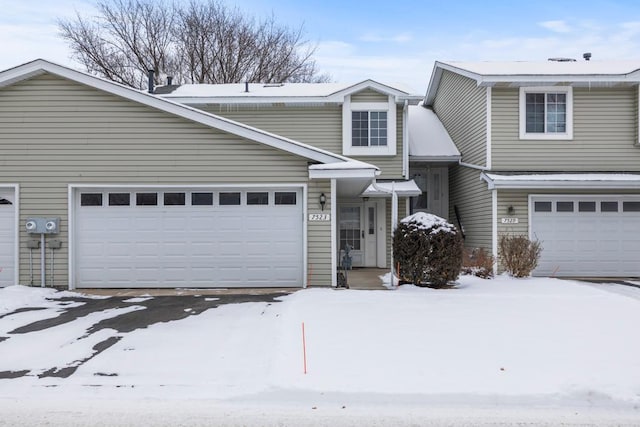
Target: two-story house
(549, 150)
(243, 185)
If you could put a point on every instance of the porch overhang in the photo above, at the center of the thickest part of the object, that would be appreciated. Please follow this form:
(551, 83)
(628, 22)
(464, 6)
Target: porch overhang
(350, 170)
(570, 181)
(385, 189)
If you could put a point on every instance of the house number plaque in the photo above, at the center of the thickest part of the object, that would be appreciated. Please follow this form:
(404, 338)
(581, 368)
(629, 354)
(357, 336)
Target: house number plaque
(509, 220)
(319, 217)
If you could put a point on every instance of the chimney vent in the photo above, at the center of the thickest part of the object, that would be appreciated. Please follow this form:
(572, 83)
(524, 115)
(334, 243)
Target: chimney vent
(151, 73)
(586, 56)
(169, 80)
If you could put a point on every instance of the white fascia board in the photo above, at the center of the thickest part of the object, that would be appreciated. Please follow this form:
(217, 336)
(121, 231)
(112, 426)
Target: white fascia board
(342, 173)
(372, 84)
(506, 184)
(245, 100)
(436, 75)
(294, 147)
(435, 159)
(491, 80)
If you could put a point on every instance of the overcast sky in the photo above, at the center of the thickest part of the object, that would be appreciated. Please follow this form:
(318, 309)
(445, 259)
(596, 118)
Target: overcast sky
(389, 41)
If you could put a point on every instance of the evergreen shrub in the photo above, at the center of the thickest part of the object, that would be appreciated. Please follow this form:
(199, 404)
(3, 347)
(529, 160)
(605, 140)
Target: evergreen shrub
(428, 250)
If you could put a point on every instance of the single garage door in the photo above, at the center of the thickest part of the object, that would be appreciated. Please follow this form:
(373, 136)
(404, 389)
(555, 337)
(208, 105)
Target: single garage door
(7, 237)
(194, 238)
(587, 236)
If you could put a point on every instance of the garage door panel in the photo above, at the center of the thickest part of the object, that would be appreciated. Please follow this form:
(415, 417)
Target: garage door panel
(207, 245)
(596, 244)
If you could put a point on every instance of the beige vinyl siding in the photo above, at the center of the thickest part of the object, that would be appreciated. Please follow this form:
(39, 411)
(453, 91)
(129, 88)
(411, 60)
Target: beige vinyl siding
(369, 95)
(469, 193)
(319, 235)
(319, 126)
(461, 106)
(391, 166)
(55, 132)
(604, 133)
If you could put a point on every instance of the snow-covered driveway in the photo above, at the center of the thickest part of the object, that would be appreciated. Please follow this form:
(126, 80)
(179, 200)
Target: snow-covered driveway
(489, 352)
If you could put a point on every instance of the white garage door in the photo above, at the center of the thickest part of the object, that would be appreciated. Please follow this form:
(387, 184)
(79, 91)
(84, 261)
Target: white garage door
(196, 238)
(7, 237)
(587, 236)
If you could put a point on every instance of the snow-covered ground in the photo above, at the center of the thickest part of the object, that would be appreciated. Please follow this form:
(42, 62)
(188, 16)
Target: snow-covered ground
(490, 352)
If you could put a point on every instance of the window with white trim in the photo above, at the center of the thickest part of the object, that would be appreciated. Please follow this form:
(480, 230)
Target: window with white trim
(546, 112)
(369, 128)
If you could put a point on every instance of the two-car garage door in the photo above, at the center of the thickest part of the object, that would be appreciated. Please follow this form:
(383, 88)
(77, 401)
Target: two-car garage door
(587, 236)
(249, 237)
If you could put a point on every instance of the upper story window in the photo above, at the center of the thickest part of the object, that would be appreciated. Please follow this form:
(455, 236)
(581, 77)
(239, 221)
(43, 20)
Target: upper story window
(546, 113)
(369, 128)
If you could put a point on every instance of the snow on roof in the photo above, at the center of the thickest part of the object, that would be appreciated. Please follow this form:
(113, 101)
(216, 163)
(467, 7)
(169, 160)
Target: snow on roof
(401, 188)
(427, 136)
(351, 164)
(566, 180)
(426, 221)
(261, 90)
(510, 68)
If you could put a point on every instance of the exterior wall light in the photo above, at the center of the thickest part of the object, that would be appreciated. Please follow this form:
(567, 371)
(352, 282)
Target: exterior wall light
(511, 210)
(323, 200)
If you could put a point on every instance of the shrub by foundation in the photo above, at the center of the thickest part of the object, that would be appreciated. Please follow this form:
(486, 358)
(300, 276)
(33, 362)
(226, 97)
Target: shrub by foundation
(428, 250)
(478, 262)
(519, 255)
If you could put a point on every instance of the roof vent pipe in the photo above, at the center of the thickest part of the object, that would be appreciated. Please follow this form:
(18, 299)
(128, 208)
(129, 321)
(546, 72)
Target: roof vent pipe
(246, 86)
(586, 56)
(151, 88)
(169, 80)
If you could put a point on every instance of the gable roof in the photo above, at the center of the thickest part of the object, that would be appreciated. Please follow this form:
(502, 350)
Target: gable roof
(428, 138)
(296, 93)
(41, 66)
(521, 73)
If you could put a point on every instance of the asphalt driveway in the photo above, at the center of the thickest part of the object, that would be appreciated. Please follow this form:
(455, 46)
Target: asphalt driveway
(151, 310)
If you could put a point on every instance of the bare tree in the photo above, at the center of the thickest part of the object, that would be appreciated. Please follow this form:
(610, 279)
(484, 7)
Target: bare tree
(201, 42)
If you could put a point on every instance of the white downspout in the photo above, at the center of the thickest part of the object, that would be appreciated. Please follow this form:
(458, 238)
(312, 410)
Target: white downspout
(405, 140)
(394, 220)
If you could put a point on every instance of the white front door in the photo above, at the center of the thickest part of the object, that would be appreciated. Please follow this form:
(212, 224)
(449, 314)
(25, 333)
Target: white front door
(358, 228)
(370, 234)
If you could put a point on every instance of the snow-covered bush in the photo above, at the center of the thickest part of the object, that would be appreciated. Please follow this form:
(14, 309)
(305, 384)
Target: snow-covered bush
(478, 262)
(519, 255)
(428, 250)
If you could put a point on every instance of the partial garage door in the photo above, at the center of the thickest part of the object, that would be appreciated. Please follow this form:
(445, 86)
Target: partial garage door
(7, 237)
(195, 238)
(587, 236)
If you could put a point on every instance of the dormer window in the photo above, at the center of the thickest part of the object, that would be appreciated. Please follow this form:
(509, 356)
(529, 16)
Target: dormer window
(369, 128)
(546, 113)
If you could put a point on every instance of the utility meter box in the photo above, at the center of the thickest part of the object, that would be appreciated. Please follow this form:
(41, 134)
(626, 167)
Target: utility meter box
(42, 225)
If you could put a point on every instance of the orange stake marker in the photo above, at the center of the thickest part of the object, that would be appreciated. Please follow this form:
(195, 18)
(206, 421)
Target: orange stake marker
(304, 349)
